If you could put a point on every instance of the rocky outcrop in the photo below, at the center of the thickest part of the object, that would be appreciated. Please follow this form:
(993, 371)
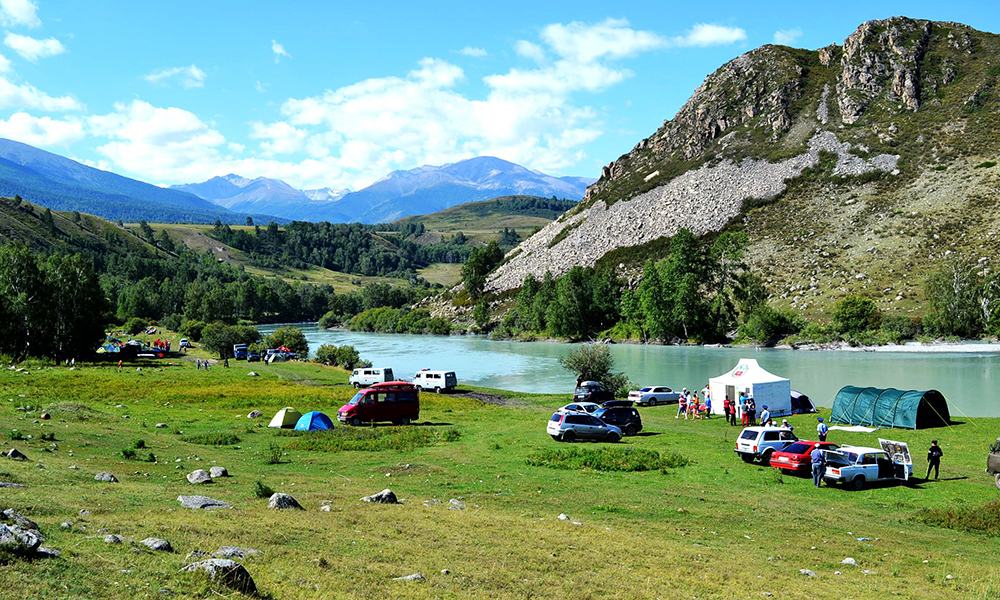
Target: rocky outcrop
(882, 59)
(228, 573)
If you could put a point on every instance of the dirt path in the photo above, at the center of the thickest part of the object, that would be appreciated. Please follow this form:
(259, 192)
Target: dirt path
(490, 399)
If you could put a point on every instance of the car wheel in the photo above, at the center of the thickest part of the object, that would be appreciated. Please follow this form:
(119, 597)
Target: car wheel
(858, 483)
(357, 385)
(652, 401)
(356, 421)
(556, 438)
(569, 437)
(613, 438)
(404, 420)
(747, 458)
(766, 458)
(631, 430)
(996, 478)
(437, 390)
(419, 389)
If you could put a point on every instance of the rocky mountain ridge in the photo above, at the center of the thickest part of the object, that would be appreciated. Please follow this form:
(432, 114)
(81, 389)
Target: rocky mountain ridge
(902, 101)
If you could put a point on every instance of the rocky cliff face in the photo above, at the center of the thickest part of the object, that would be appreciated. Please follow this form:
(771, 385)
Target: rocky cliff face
(901, 98)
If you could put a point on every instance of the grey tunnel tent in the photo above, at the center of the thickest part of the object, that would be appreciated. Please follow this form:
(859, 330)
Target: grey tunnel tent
(875, 407)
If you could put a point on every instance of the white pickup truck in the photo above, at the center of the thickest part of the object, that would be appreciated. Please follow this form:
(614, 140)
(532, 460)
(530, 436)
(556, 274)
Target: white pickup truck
(858, 466)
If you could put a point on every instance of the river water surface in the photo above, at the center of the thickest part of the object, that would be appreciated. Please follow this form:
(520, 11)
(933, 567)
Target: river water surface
(967, 379)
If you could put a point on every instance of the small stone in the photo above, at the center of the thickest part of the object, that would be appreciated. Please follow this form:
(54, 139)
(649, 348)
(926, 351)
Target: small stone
(8, 484)
(160, 425)
(201, 502)
(199, 476)
(197, 554)
(115, 539)
(84, 513)
(253, 374)
(384, 497)
(445, 572)
(66, 526)
(218, 472)
(281, 501)
(226, 572)
(453, 503)
(108, 477)
(562, 517)
(325, 508)
(157, 544)
(255, 414)
(807, 572)
(414, 577)
(234, 552)
(949, 577)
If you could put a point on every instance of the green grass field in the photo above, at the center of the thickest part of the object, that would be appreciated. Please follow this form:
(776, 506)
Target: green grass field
(715, 528)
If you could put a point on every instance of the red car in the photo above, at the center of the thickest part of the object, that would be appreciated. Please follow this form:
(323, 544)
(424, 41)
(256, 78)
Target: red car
(796, 456)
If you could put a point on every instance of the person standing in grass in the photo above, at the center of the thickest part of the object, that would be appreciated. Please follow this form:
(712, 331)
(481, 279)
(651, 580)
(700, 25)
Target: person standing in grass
(743, 409)
(821, 429)
(818, 465)
(682, 404)
(765, 416)
(727, 407)
(751, 411)
(934, 455)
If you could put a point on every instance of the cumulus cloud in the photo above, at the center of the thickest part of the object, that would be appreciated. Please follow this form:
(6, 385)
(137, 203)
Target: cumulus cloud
(474, 52)
(786, 37)
(189, 77)
(279, 51)
(5, 66)
(33, 49)
(279, 138)
(14, 13)
(529, 50)
(24, 96)
(703, 35)
(42, 131)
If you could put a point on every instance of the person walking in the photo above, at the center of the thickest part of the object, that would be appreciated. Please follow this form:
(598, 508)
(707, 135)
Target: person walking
(934, 455)
(818, 461)
(682, 404)
(119, 366)
(821, 429)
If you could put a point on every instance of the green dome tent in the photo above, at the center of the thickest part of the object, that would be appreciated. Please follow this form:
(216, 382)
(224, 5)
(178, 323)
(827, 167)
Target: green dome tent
(875, 407)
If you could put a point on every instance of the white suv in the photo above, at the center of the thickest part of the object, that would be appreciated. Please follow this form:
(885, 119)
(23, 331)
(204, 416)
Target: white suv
(757, 443)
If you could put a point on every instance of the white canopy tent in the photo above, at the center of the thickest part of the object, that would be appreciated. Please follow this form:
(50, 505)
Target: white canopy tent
(767, 389)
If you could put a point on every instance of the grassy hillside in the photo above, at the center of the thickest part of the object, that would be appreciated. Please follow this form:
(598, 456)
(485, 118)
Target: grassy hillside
(482, 221)
(715, 528)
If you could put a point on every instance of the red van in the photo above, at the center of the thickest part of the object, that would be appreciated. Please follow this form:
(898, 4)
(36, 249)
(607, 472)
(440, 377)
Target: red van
(395, 401)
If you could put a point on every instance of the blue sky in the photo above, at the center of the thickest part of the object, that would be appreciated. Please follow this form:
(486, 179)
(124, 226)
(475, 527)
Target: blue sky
(337, 94)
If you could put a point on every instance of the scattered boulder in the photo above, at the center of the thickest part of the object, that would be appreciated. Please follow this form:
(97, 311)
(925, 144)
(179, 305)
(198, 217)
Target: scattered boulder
(234, 552)
(197, 554)
(218, 472)
(199, 476)
(325, 508)
(161, 425)
(456, 505)
(66, 526)
(204, 502)
(15, 518)
(384, 497)
(108, 477)
(849, 561)
(255, 414)
(47, 552)
(226, 572)
(14, 454)
(8, 484)
(414, 577)
(157, 544)
(807, 572)
(563, 517)
(20, 540)
(253, 374)
(283, 501)
(116, 539)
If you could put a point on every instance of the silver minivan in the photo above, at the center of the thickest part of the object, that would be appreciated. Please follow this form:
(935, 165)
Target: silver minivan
(369, 376)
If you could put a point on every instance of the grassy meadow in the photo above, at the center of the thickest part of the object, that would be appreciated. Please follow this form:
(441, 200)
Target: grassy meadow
(658, 528)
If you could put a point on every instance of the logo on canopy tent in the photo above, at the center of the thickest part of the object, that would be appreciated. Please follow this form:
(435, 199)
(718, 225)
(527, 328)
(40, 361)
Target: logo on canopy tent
(740, 370)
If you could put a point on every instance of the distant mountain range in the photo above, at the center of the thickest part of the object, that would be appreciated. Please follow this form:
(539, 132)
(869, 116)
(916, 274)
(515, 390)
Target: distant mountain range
(59, 183)
(400, 194)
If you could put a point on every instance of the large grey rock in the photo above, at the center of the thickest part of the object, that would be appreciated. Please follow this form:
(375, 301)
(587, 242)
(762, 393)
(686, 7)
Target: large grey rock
(19, 540)
(47, 552)
(283, 501)
(157, 544)
(15, 518)
(384, 497)
(234, 552)
(8, 484)
(218, 472)
(255, 414)
(14, 454)
(201, 502)
(106, 477)
(199, 476)
(226, 572)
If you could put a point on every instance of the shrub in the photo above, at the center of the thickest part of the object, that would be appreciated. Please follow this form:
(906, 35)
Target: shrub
(48, 437)
(192, 329)
(327, 355)
(262, 490)
(151, 458)
(452, 435)
(986, 164)
(330, 319)
(138, 444)
(128, 453)
(135, 325)
(172, 322)
(896, 327)
(766, 326)
(854, 315)
(212, 439)
(273, 454)
(16, 435)
(348, 357)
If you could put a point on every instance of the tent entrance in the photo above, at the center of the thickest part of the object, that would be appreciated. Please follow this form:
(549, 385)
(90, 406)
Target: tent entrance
(731, 392)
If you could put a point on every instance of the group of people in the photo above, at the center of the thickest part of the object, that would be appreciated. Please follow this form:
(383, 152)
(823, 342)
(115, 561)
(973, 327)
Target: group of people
(744, 409)
(693, 406)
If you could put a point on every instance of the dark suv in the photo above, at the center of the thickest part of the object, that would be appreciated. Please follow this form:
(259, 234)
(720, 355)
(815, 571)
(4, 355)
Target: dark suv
(592, 391)
(622, 415)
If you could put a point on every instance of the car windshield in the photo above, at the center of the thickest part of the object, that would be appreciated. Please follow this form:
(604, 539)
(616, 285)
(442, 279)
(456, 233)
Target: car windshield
(600, 412)
(748, 435)
(357, 398)
(797, 448)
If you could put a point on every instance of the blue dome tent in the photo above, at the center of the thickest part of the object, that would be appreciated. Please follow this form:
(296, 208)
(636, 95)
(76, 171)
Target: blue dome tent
(313, 421)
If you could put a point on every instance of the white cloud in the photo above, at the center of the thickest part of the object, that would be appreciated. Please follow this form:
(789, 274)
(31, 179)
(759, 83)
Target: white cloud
(786, 37)
(44, 131)
(279, 51)
(529, 50)
(19, 12)
(612, 38)
(707, 34)
(5, 65)
(189, 77)
(474, 52)
(33, 49)
(261, 87)
(24, 96)
(280, 138)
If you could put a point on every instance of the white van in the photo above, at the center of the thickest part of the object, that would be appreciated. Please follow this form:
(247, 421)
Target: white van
(439, 381)
(368, 376)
